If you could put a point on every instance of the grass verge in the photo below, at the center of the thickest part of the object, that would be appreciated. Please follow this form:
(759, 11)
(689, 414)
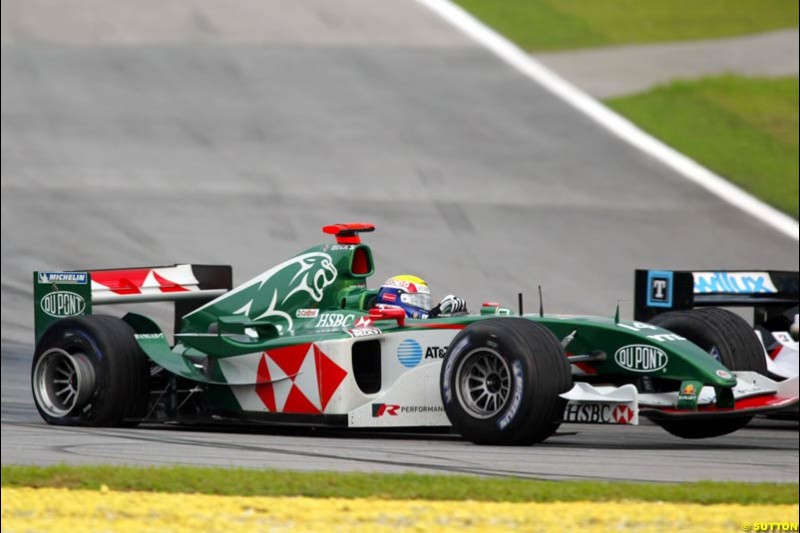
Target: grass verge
(564, 24)
(385, 486)
(742, 128)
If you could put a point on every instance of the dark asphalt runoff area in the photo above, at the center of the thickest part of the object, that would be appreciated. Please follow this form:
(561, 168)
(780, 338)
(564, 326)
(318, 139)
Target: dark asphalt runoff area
(160, 132)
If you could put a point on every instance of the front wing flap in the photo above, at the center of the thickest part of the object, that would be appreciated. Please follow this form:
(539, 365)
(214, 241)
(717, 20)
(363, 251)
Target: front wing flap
(753, 394)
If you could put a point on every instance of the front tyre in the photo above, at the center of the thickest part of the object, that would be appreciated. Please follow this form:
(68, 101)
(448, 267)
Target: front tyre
(501, 380)
(729, 339)
(726, 336)
(90, 371)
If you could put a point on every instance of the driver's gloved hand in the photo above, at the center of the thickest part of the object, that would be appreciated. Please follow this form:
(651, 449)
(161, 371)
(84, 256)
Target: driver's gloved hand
(450, 306)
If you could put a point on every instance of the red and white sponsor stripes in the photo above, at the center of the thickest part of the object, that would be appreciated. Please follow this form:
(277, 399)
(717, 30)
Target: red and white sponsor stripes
(111, 285)
(297, 379)
(775, 352)
(623, 414)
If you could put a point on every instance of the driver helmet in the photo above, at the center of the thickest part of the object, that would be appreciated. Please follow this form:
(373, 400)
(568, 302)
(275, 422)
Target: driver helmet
(406, 292)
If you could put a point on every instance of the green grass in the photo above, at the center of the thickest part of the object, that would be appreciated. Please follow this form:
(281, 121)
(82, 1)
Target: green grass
(563, 24)
(745, 129)
(387, 486)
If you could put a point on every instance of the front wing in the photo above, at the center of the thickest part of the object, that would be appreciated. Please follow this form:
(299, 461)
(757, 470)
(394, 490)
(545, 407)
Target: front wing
(753, 394)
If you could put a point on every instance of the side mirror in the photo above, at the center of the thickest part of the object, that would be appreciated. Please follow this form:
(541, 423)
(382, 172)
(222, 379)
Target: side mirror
(377, 313)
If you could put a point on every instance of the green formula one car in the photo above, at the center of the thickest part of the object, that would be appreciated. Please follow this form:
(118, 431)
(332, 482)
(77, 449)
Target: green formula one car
(302, 343)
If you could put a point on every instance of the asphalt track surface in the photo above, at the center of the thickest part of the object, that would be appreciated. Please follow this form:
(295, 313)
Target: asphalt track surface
(137, 134)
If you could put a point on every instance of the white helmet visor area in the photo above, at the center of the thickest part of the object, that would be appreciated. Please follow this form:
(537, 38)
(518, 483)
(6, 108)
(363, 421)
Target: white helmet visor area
(420, 300)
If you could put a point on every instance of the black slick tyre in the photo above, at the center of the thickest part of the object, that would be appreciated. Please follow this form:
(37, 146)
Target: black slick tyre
(90, 371)
(728, 338)
(501, 379)
(725, 335)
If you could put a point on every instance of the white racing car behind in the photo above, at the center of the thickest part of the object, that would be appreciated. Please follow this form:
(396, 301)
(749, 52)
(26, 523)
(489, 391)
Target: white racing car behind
(677, 300)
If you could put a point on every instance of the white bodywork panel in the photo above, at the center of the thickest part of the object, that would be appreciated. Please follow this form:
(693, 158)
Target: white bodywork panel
(786, 363)
(589, 404)
(409, 393)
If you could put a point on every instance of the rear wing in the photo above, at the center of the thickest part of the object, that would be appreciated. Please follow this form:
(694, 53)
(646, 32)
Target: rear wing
(63, 294)
(769, 292)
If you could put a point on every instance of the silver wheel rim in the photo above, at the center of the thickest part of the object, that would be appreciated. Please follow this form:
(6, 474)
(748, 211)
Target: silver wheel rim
(483, 383)
(62, 382)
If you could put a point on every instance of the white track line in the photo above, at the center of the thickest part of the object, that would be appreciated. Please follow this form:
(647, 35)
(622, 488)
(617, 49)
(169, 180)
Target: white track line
(610, 120)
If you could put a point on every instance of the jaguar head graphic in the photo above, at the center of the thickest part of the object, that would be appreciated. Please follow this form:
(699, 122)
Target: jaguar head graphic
(277, 293)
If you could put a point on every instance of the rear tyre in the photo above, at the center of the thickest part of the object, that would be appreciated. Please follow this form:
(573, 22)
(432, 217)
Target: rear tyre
(730, 340)
(501, 380)
(90, 371)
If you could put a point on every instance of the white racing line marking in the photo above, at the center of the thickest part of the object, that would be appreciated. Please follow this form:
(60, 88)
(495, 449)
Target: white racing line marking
(610, 120)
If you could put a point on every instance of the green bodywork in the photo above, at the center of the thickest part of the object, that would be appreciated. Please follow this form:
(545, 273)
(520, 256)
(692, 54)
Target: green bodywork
(58, 295)
(269, 305)
(321, 278)
(322, 293)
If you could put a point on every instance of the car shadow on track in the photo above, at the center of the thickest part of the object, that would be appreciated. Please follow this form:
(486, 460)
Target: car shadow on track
(443, 434)
(575, 439)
